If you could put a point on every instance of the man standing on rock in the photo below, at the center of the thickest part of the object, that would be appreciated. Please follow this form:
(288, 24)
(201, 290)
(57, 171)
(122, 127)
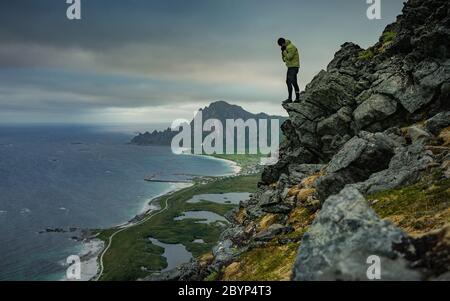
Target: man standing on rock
(291, 57)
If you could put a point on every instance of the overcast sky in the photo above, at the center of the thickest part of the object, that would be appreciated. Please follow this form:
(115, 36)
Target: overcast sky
(144, 61)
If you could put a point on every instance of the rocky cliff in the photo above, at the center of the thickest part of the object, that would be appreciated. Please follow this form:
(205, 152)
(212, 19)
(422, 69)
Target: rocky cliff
(364, 168)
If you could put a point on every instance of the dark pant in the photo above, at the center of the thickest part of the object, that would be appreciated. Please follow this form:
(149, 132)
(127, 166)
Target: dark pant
(291, 81)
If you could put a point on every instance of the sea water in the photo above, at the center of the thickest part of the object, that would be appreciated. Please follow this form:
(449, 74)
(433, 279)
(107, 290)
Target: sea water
(75, 177)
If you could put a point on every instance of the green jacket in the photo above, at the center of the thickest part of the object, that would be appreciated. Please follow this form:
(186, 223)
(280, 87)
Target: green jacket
(291, 56)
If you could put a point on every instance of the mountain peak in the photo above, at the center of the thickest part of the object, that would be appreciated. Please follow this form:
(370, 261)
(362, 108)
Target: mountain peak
(220, 110)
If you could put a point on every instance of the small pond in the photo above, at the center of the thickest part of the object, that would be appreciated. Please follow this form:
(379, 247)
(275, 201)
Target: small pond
(175, 254)
(204, 217)
(224, 198)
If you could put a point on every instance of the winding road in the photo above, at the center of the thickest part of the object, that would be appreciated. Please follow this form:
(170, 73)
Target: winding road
(166, 206)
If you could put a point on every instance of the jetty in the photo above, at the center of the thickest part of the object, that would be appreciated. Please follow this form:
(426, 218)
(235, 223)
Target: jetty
(152, 179)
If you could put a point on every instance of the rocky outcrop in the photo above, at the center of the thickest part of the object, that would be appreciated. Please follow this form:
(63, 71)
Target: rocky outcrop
(439, 122)
(375, 120)
(404, 82)
(362, 156)
(404, 168)
(344, 235)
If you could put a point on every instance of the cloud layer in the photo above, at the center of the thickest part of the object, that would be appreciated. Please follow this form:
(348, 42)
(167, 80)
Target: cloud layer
(126, 60)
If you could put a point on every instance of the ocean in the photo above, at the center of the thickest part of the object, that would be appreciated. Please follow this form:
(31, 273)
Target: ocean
(76, 177)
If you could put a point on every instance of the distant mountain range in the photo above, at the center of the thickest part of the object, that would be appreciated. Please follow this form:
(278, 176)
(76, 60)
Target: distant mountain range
(220, 110)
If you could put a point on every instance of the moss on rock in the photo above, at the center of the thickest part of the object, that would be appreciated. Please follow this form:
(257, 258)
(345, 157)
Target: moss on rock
(417, 209)
(269, 263)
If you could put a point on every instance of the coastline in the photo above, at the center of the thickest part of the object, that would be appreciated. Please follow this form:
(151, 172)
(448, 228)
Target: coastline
(149, 206)
(93, 247)
(237, 169)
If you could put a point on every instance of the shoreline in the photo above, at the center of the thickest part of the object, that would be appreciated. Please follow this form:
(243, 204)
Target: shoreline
(148, 206)
(237, 169)
(95, 246)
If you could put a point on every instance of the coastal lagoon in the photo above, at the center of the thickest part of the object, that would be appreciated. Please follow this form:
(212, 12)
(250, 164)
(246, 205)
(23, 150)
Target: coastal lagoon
(175, 254)
(203, 217)
(71, 178)
(221, 198)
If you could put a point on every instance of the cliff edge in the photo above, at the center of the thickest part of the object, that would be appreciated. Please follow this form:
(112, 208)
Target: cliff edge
(364, 169)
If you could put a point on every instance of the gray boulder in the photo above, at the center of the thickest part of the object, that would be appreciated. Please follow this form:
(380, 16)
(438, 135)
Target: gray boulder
(347, 155)
(283, 208)
(298, 172)
(343, 236)
(272, 231)
(374, 109)
(362, 156)
(269, 198)
(436, 124)
(224, 252)
(336, 123)
(405, 168)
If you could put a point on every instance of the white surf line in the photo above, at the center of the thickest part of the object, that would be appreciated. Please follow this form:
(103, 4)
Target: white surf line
(100, 273)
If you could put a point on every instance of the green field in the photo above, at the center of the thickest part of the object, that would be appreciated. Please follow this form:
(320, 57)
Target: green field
(132, 255)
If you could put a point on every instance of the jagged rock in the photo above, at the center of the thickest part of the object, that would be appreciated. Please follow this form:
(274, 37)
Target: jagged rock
(404, 168)
(237, 235)
(297, 172)
(374, 109)
(355, 162)
(431, 253)
(230, 215)
(406, 82)
(269, 198)
(345, 233)
(272, 231)
(223, 252)
(339, 122)
(279, 208)
(348, 154)
(412, 97)
(436, 124)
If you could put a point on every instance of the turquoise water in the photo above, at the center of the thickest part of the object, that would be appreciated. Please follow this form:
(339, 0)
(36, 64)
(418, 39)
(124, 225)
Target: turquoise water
(83, 177)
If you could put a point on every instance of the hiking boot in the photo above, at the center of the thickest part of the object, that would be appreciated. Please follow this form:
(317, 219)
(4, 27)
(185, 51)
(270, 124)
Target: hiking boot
(287, 101)
(297, 100)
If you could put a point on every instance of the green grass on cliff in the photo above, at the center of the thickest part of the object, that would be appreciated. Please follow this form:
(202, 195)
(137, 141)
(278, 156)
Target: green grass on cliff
(367, 54)
(388, 37)
(268, 263)
(386, 40)
(417, 209)
(133, 256)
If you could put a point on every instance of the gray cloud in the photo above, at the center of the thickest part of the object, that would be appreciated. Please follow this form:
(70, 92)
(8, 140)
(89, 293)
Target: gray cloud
(140, 54)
